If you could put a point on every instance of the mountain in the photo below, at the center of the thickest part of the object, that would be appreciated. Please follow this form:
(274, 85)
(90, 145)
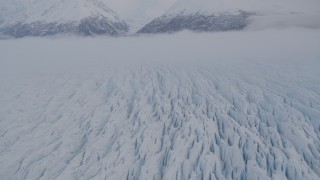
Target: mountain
(223, 15)
(41, 18)
(19, 18)
(197, 22)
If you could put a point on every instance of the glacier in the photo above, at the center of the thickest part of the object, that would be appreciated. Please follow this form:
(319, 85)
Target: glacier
(231, 105)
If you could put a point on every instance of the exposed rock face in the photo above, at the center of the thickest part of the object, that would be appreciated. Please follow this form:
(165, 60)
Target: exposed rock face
(94, 25)
(87, 26)
(44, 18)
(196, 22)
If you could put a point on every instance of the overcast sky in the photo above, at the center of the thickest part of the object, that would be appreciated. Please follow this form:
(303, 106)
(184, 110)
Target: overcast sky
(140, 8)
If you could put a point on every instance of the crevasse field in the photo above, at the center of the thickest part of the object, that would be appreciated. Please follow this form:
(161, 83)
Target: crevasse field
(230, 105)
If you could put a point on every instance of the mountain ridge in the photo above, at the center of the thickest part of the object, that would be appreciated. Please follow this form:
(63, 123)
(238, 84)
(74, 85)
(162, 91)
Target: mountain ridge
(86, 17)
(90, 17)
(217, 15)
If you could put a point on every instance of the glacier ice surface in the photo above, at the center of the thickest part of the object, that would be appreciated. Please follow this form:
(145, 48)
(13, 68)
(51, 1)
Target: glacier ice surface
(236, 105)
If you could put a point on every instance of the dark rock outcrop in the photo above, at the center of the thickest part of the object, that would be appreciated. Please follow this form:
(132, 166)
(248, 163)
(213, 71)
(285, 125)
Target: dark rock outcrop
(196, 22)
(87, 26)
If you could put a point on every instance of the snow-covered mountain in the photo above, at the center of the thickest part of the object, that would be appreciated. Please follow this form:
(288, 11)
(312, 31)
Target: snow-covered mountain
(222, 15)
(48, 17)
(197, 22)
(20, 18)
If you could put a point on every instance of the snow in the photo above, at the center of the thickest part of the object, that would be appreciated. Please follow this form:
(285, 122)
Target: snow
(63, 11)
(138, 13)
(135, 12)
(262, 14)
(69, 10)
(186, 106)
(256, 6)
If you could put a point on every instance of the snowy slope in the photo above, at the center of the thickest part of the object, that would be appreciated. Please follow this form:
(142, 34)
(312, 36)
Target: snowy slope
(138, 13)
(170, 107)
(261, 6)
(20, 18)
(47, 17)
(221, 15)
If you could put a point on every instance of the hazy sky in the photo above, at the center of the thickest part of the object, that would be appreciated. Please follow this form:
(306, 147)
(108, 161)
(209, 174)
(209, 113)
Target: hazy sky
(140, 8)
(153, 8)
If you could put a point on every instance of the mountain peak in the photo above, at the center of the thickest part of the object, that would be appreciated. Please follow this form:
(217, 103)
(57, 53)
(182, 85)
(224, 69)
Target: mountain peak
(39, 17)
(225, 15)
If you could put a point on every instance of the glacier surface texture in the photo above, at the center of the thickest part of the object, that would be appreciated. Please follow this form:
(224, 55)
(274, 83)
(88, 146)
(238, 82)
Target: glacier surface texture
(233, 105)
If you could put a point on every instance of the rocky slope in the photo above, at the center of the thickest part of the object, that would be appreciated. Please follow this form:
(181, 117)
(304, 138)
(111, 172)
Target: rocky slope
(197, 22)
(218, 15)
(85, 17)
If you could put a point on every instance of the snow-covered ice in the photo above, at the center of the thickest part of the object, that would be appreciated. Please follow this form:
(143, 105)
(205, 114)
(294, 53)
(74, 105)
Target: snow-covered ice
(235, 105)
